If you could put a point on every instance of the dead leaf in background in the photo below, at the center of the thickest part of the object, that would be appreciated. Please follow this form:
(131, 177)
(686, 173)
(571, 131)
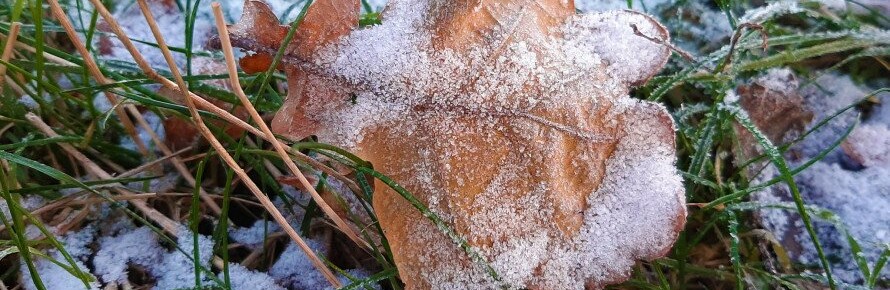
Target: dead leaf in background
(779, 112)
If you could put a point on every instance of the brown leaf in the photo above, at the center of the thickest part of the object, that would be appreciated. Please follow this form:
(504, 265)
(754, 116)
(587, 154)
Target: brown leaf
(255, 63)
(325, 21)
(511, 121)
(779, 112)
(462, 23)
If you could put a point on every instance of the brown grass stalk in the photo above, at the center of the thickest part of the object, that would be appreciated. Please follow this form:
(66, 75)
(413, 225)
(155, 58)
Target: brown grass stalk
(8, 48)
(205, 131)
(152, 74)
(166, 223)
(101, 79)
(279, 148)
(94, 70)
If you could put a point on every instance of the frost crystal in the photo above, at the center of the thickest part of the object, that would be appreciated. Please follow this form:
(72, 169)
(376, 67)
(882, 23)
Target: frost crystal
(254, 236)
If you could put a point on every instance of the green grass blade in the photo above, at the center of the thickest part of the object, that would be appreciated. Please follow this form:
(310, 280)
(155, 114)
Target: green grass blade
(372, 280)
(734, 257)
(879, 265)
(195, 219)
(776, 157)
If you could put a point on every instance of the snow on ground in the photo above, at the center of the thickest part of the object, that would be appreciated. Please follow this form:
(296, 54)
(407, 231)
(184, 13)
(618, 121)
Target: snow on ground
(243, 278)
(295, 271)
(137, 246)
(54, 276)
(254, 236)
(857, 6)
(154, 121)
(110, 244)
(177, 267)
(853, 181)
(760, 14)
(172, 24)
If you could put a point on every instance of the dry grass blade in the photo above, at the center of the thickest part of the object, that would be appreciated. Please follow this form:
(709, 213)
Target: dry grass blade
(153, 163)
(8, 48)
(46, 56)
(264, 200)
(152, 74)
(279, 148)
(166, 223)
(199, 101)
(179, 164)
(101, 79)
(94, 70)
(204, 104)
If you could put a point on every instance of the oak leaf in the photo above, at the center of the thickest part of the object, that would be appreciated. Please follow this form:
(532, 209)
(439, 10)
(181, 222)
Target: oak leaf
(509, 119)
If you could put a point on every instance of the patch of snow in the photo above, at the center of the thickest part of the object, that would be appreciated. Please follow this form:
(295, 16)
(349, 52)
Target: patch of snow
(825, 96)
(853, 181)
(77, 243)
(30, 202)
(844, 5)
(606, 5)
(357, 274)
(254, 236)
(172, 24)
(101, 103)
(54, 276)
(731, 97)
(177, 270)
(28, 102)
(870, 145)
(294, 270)
(137, 246)
(154, 121)
(243, 278)
(701, 28)
(160, 184)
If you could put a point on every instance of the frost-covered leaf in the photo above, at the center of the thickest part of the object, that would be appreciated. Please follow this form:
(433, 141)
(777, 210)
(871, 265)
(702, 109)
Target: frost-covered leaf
(508, 119)
(774, 105)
